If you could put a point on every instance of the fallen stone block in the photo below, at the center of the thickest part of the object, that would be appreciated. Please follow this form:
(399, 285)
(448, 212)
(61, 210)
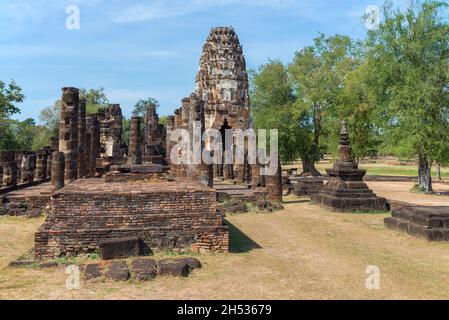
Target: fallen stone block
(170, 267)
(46, 265)
(21, 263)
(36, 213)
(117, 271)
(144, 269)
(192, 263)
(120, 248)
(92, 271)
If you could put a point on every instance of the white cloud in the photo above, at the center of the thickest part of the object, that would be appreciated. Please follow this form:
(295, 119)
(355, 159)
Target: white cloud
(169, 8)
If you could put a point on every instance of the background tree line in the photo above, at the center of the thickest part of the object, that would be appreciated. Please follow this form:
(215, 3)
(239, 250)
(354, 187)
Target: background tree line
(28, 135)
(392, 88)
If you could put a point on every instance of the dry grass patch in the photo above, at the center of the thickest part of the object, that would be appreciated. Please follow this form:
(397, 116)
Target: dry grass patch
(302, 252)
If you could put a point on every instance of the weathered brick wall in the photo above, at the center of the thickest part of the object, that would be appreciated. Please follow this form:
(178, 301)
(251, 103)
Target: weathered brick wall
(164, 215)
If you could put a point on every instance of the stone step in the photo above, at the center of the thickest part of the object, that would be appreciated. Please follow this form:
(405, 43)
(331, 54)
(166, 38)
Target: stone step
(416, 230)
(433, 217)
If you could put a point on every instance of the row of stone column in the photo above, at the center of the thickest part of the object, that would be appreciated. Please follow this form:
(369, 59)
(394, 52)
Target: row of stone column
(79, 137)
(33, 166)
(9, 169)
(191, 112)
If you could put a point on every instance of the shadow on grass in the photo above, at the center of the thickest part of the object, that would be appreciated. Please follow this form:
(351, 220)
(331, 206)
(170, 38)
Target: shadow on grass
(296, 201)
(240, 242)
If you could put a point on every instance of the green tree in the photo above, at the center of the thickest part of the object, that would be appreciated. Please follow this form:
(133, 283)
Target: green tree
(50, 117)
(95, 99)
(408, 59)
(318, 74)
(163, 120)
(140, 107)
(272, 107)
(357, 105)
(10, 96)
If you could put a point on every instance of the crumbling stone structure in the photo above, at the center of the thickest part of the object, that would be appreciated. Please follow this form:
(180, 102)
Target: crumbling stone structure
(222, 89)
(306, 186)
(198, 170)
(49, 166)
(41, 165)
(168, 142)
(135, 142)
(222, 81)
(93, 144)
(163, 215)
(111, 130)
(274, 185)
(57, 170)
(68, 132)
(54, 145)
(346, 191)
(175, 169)
(9, 165)
(424, 222)
(222, 84)
(82, 140)
(27, 168)
(154, 137)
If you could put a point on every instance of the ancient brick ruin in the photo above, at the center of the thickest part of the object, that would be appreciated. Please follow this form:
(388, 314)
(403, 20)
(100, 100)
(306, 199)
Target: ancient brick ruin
(428, 223)
(346, 191)
(163, 215)
(154, 137)
(306, 186)
(221, 94)
(104, 188)
(112, 148)
(222, 85)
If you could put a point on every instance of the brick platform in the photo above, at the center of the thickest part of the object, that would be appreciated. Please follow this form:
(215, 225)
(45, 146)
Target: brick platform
(429, 223)
(164, 215)
(226, 191)
(31, 198)
(306, 186)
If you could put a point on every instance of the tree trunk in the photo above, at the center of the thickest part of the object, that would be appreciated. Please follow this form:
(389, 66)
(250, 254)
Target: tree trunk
(439, 172)
(424, 175)
(308, 168)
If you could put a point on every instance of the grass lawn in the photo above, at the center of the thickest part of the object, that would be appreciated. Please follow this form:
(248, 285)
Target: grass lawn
(378, 169)
(302, 252)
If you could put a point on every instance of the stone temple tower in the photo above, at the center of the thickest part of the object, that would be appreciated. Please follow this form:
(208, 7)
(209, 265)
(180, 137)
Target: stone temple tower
(222, 81)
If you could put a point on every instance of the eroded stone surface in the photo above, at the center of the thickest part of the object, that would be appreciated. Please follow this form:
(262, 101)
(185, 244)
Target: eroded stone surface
(176, 268)
(119, 248)
(144, 269)
(165, 215)
(117, 271)
(345, 190)
(93, 271)
(429, 223)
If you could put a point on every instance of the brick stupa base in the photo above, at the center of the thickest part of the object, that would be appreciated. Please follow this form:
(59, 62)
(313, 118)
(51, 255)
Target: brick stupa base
(164, 215)
(345, 191)
(429, 223)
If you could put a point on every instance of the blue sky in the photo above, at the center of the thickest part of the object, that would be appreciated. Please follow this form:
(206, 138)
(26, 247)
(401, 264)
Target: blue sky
(137, 49)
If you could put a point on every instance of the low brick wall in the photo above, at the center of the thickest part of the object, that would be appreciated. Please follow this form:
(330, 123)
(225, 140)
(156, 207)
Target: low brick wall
(20, 186)
(165, 215)
(35, 197)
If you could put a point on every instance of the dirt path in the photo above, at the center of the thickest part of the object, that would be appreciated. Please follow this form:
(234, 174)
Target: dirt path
(400, 191)
(302, 252)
